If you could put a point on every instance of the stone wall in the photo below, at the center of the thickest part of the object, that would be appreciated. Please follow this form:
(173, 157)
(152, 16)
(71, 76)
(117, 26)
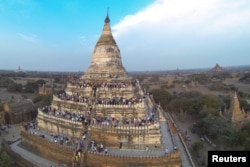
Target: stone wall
(127, 92)
(120, 111)
(131, 137)
(20, 116)
(84, 91)
(19, 160)
(103, 160)
(59, 125)
(67, 104)
(61, 154)
(49, 150)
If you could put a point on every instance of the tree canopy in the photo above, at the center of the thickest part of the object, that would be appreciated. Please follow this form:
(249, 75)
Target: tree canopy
(161, 96)
(42, 100)
(5, 159)
(14, 87)
(194, 102)
(5, 81)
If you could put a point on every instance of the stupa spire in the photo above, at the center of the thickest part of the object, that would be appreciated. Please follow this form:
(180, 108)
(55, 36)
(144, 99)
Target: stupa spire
(106, 37)
(236, 111)
(107, 20)
(106, 62)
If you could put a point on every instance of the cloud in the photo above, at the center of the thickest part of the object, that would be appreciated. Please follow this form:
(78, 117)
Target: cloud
(29, 37)
(206, 16)
(185, 33)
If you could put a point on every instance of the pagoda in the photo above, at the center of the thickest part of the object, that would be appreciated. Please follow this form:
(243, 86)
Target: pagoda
(105, 95)
(108, 112)
(217, 68)
(237, 115)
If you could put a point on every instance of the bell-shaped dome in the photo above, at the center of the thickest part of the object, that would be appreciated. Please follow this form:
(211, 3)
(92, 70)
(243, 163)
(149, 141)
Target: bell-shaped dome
(106, 60)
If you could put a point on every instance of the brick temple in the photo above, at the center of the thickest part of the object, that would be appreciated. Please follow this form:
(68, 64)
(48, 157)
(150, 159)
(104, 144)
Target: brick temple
(104, 118)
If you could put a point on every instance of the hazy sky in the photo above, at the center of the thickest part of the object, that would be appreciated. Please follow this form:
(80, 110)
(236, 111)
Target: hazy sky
(59, 35)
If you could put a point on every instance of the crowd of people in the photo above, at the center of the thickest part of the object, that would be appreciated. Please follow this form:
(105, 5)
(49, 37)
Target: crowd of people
(114, 122)
(110, 101)
(74, 98)
(120, 100)
(76, 144)
(54, 137)
(98, 120)
(97, 147)
(67, 114)
(97, 84)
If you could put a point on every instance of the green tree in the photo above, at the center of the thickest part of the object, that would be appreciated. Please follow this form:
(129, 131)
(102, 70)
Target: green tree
(42, 100)
(161, 96)
(244, 104)
(200, 78)
(5, 81)
(187, 81)
(154, 78)
(246, 128)
(194, 102)
(14, 87)
(197, 146)
(218, 129)
(57, 79)
(40, 82)
(31, 87)
(247, 144)
(5, 160)
(211, 101)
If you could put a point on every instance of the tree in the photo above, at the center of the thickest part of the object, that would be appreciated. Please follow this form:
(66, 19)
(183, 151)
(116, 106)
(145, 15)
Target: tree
(246, 128)
(154, 78)
(244, 104)
(31, 87)
(200, 78)
(162, 97)
(5, 159)
(40, 82)
(197, 146)
(247, 144)
(194, 102)
(219, 130)
(14, 87)
(42, 100)
(5, 81)
(211, 101)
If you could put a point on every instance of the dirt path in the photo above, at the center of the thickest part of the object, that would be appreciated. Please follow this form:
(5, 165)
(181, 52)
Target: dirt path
(184, 124)
(11, 133)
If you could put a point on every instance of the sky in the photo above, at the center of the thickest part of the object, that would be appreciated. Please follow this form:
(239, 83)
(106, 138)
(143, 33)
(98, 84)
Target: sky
(153, 35)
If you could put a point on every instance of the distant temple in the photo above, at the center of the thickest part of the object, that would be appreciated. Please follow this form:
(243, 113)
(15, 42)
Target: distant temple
(43, 90)
(217, 68)
(104, 110)
(17, 112)
(235, 114)
(18, 70)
